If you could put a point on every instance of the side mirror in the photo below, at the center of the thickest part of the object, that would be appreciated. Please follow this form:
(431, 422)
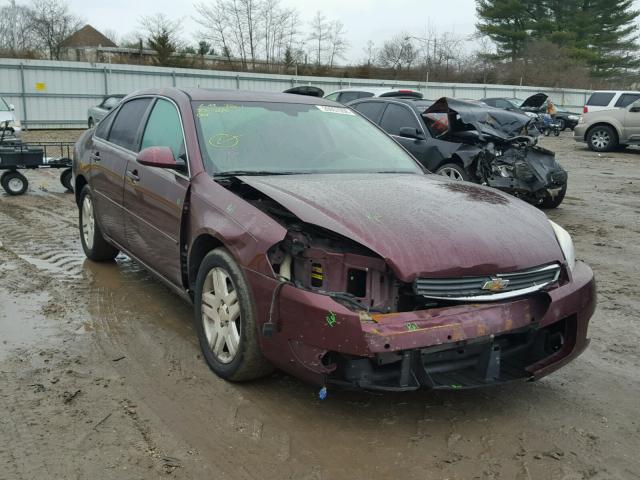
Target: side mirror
(159, 157)
(635, 107)
(410, 132)
(11, 107)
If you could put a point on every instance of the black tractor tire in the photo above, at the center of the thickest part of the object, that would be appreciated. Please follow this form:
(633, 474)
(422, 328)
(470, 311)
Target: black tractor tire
(95, 246)
(248, 363)
(550, 202)
(66, 179)
(14, 183)
(602, 138)
(454, 172)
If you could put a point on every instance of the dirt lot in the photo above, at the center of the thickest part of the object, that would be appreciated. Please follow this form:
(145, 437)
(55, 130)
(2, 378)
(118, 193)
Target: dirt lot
(101, 375)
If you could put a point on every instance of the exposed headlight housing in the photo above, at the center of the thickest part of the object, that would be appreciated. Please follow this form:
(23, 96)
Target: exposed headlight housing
(566, 244)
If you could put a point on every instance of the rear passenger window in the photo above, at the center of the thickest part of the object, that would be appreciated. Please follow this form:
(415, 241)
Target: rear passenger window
(164, 128)
(395, 117)
(371, 110)
(124, 131)
(346, 97)
(627, 99)
(600, 99)
(102, 130)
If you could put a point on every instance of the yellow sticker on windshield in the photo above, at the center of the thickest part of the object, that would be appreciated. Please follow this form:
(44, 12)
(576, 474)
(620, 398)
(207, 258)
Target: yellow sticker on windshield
(340, 110)
(224, 140)
(205, 110)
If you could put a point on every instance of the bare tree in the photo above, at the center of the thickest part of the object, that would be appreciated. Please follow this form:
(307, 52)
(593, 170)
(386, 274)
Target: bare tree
(398, 52)
(277, 29)
(52, 23)
(338, 44)
(16, 35)
(216, 22)
(371, 53)
(162, 37)
(319, 35)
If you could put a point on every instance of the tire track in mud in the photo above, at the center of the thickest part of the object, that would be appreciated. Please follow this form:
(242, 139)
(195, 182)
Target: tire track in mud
(44, 236)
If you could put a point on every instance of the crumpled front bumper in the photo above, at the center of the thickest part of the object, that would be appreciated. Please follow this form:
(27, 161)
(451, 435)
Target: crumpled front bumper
(463, 346)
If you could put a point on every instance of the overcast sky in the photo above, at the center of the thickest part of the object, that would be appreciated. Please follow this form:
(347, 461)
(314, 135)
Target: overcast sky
(364, 19)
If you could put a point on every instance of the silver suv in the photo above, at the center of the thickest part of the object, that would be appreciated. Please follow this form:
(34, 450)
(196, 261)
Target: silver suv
(607, 130)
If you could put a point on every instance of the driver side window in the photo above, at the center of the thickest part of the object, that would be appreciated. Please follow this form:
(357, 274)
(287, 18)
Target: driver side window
(164, 129)
(396, 117)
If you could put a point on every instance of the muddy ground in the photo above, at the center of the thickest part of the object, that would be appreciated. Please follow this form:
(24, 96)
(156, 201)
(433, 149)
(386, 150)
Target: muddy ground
(101, 375)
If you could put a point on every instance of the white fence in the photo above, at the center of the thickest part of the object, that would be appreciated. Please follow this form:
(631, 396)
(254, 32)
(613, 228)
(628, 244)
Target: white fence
(50, 94)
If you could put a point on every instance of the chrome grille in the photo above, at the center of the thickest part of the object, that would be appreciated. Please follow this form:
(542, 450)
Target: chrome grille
(506, 285)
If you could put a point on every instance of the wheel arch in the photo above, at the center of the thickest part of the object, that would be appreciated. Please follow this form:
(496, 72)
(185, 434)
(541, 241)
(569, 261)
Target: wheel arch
(80, 182)
(201, 246)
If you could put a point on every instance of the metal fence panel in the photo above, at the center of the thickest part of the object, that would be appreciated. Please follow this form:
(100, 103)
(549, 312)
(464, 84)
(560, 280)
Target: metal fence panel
(50, 94)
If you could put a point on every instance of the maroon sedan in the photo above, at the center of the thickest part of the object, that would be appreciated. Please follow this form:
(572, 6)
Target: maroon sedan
(308, 240)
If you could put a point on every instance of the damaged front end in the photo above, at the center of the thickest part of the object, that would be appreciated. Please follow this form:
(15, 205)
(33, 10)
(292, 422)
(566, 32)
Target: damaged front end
(335, 311)
(498, 148)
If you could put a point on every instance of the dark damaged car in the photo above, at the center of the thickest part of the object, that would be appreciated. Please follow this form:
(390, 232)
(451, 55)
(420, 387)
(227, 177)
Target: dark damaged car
(470, 141)
(309, 241)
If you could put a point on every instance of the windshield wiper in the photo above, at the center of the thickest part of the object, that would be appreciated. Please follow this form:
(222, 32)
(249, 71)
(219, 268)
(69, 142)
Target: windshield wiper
(248, 173)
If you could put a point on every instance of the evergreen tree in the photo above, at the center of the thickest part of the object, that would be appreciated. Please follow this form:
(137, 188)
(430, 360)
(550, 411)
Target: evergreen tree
(508, 23)
(598, 33)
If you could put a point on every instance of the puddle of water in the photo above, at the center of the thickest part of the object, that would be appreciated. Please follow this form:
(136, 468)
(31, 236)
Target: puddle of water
(22, 324)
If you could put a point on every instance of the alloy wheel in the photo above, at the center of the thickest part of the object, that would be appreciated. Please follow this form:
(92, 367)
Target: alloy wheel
(221, 315)
(600, 139)
(88, 221)
(451, 173)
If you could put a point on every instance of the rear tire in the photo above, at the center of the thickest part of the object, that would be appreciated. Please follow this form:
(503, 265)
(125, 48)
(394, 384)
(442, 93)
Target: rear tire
(226, 321)
(14, 183)
(95, 246)
(454, 172)
(602, 138)
(66, 179)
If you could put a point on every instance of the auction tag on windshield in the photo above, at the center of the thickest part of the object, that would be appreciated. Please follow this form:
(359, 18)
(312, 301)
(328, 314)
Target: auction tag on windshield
(339, 110)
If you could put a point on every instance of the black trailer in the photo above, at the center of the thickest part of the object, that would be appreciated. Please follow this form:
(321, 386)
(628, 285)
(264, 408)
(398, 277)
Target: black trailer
(16, 155)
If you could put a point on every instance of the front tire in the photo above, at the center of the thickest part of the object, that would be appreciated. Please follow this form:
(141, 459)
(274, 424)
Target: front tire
(226, 321)
(95, 246)
(562, 125)
(454, 172)
(554, 202)
(602, 139)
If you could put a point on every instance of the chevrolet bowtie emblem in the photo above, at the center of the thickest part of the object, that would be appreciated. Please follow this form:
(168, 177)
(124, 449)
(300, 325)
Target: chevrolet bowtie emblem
(495, 285)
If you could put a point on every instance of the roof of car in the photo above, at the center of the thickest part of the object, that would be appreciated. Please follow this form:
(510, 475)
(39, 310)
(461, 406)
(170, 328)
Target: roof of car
(203, 95)
(223, 95)
(374, 90)
(419, 104)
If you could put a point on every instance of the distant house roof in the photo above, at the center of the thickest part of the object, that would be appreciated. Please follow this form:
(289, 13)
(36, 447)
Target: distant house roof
(87, 36)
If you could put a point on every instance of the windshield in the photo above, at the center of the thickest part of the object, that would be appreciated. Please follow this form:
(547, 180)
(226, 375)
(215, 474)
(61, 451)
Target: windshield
(3, 105)
(257, 137)
(516, 102)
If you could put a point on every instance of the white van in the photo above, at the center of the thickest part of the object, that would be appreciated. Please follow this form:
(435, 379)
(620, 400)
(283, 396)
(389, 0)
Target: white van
(608, 99)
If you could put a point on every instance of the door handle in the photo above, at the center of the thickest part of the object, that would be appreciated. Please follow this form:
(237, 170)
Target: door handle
(133, 176)
(95, 156)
